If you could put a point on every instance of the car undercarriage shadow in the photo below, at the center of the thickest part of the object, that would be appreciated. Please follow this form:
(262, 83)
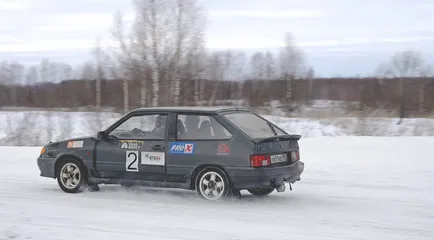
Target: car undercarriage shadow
(274, 197)
(141, 193)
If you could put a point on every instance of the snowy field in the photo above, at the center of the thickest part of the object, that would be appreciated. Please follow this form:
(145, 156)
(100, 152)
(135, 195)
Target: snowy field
(353, 188)
(36, 128)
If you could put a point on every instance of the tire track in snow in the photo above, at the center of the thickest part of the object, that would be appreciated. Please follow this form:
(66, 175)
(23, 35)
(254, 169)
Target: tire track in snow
(329, 203)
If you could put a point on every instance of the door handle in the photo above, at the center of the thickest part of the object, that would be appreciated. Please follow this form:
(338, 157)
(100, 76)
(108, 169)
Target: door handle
(158, 147)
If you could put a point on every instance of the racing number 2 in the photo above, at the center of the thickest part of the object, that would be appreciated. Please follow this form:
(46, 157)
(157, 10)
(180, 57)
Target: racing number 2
(131, 162)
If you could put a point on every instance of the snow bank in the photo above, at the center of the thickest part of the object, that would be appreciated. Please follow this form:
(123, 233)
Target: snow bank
(348, 126)
(27, 128)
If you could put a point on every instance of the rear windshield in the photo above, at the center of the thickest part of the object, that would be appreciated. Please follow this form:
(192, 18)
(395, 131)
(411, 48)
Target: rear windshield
(253, 125)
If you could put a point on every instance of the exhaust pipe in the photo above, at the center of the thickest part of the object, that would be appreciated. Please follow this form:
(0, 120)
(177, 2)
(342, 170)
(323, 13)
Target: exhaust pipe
(281, 188)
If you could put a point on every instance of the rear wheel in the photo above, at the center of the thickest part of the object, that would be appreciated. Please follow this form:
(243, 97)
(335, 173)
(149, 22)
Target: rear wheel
(212, 184)
(71, 176)
(261, 191)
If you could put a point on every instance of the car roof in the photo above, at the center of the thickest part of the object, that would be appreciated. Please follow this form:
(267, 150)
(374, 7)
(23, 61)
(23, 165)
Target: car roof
(192, 109)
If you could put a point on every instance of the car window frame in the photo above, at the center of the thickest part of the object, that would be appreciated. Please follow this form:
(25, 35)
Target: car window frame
(201, 139)
(135, 114)
(245, 133)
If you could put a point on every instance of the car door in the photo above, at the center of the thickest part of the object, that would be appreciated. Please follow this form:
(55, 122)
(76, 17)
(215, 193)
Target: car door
(134, 148)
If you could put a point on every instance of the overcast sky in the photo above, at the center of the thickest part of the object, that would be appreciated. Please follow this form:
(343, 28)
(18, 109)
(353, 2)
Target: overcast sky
(340, 37)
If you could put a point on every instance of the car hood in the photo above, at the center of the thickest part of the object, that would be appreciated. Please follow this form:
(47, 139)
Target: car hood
(72, 139)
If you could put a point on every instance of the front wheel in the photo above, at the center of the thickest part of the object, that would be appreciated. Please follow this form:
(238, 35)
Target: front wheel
(212, 184)
(261, 191)
(71, 176)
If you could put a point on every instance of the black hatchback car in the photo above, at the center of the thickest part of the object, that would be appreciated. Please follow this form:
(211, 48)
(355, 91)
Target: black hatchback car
(216, 151)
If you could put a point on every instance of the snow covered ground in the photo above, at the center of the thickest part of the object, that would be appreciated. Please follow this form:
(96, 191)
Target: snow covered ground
(353, 188)
(35, 128)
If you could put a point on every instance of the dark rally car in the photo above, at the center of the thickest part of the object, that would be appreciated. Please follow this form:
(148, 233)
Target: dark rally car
(214, 151)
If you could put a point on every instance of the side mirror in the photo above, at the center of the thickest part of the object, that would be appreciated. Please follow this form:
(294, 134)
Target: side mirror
(101, 135)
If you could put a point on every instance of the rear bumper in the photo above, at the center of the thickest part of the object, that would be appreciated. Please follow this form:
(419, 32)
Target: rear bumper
(267, 177)
(46, 167)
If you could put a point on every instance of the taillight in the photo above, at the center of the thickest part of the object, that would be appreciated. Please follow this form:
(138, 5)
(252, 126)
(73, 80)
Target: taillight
(295, 156)
(260, 160)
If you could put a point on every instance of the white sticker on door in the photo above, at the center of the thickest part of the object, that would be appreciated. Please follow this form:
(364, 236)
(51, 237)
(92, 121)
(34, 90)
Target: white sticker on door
(153, 158)
(132, 161)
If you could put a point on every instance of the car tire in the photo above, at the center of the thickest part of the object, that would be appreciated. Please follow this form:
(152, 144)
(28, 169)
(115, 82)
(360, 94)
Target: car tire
(212, 184)
(261, 191)
(72, 176)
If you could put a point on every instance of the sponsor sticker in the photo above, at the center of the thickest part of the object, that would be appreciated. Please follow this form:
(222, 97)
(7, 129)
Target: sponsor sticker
(223, 149)
(181, 148)
(153, 158)
(131, 144)
(75, 144)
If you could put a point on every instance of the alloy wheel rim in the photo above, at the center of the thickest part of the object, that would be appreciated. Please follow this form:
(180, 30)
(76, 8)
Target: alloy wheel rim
(212, 185)
(70, 175)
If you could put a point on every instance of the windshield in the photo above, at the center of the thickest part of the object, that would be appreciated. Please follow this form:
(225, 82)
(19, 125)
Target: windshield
(254, 126)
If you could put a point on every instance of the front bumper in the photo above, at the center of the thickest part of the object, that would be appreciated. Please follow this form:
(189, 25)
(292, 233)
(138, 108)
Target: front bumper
(266, 177)
(46, 167)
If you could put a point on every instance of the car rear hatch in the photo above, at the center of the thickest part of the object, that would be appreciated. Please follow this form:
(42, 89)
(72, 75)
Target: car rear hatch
(272, 145)
(275, 151)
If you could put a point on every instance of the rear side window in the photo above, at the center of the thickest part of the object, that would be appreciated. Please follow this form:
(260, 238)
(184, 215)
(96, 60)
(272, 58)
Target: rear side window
(252, 125)
(197, 127)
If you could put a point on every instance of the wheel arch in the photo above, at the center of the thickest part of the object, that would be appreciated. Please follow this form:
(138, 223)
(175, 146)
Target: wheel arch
(200, 168)
(66, 156)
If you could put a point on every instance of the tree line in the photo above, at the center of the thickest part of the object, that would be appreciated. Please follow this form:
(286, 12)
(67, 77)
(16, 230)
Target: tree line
(161, 59)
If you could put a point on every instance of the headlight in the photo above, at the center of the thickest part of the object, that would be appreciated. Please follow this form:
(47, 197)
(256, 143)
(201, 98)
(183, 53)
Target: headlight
(42, 151)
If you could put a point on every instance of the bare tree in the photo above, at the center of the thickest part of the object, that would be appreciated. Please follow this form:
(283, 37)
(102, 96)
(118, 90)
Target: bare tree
(17, 71)
(65, 71)
(263, 66)
(19, 126)
(215, 73)
(123, 57)
(270, 66)
(310, 75)
(219, 69)
(240, 72)
(402, 65)
(45, 75)
(99, 74)
(141, 64)
(257, 66)
(195, 70)
(165, 34)
(11, 75)
(190, 30)
(292, 65)
(86, 71)
(31, 78)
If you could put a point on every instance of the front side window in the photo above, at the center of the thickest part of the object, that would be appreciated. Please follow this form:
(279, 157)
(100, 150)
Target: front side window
(150, 126)
(252, 125)
(194, 126)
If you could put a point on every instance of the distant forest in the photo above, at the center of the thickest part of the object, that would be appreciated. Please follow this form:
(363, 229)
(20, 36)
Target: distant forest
(372, 92)
(162, 60)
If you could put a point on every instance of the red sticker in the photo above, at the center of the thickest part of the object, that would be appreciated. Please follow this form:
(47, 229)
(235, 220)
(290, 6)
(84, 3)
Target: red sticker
(223, 148)
(188, 148)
